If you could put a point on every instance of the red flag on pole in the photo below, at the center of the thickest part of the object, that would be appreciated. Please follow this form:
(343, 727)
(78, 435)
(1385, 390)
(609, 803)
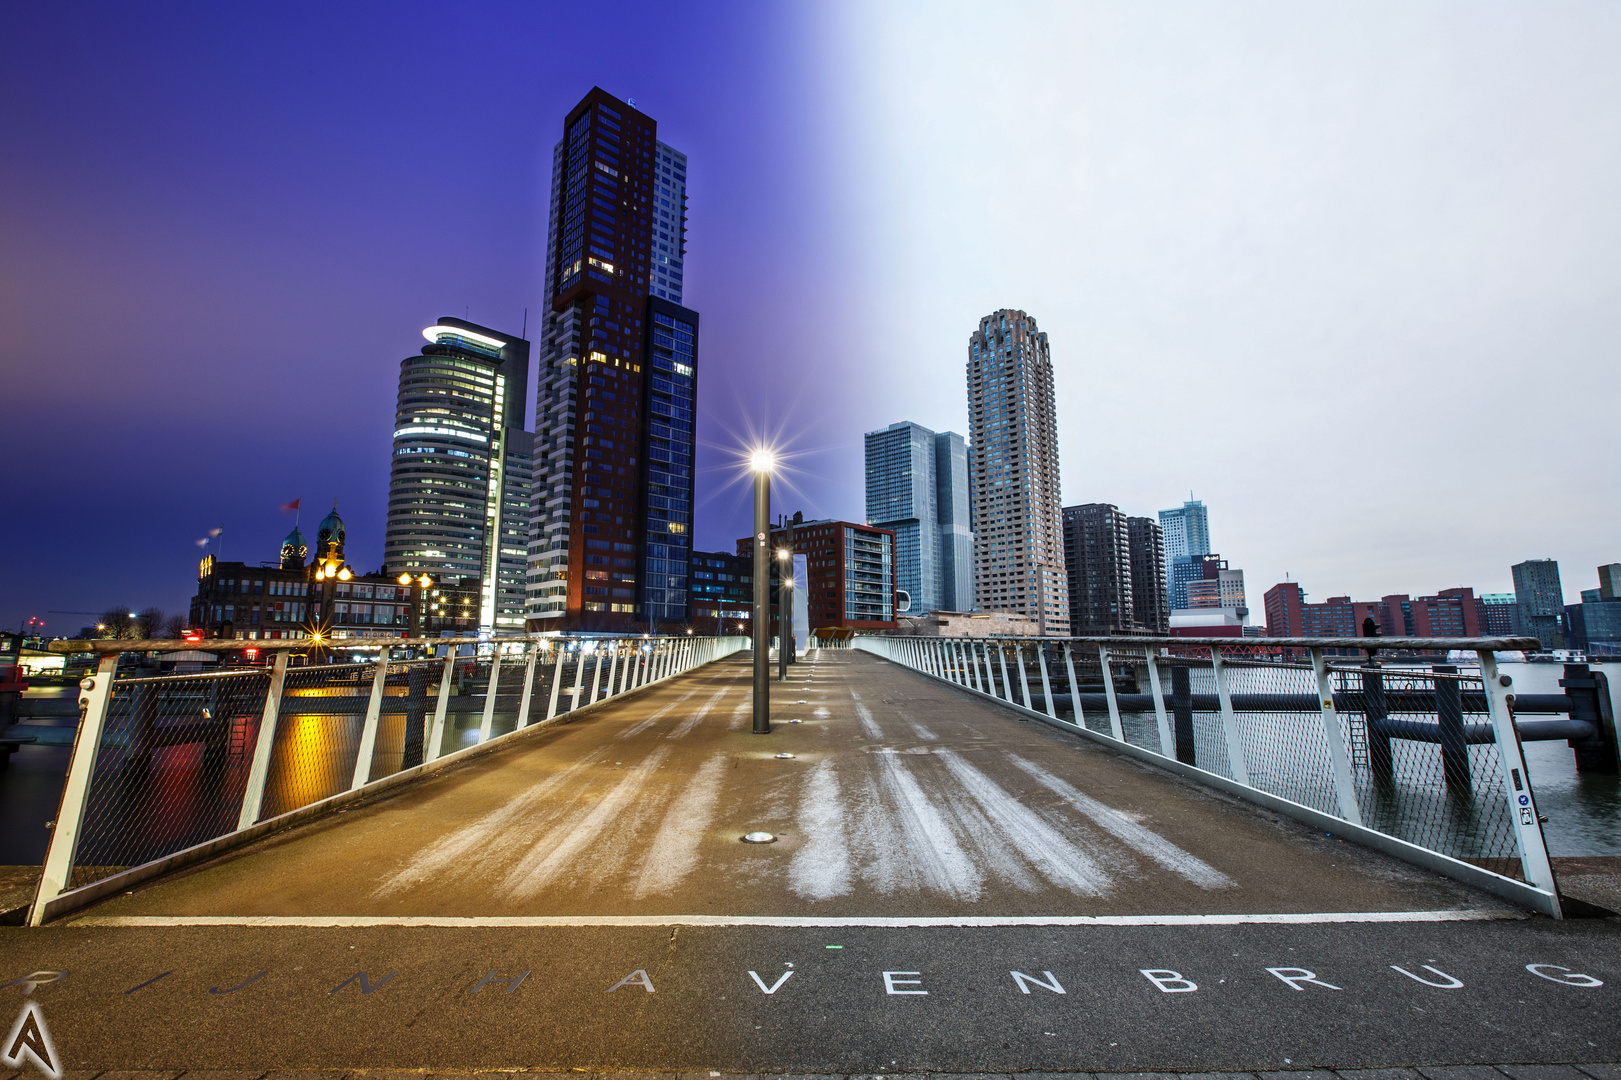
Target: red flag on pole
(292, 505)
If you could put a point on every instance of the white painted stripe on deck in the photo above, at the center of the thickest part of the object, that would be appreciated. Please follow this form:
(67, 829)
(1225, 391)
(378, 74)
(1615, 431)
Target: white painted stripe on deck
(970, 921)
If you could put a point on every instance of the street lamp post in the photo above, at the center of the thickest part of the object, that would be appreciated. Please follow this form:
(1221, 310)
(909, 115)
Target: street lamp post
(762, 592)
(785, 610)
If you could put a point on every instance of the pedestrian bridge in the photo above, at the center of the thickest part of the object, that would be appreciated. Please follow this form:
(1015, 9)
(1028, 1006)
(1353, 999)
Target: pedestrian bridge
(981, 860)
(891, 787)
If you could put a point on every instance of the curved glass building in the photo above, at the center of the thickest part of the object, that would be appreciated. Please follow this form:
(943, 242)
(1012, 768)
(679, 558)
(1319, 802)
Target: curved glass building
(458, 496)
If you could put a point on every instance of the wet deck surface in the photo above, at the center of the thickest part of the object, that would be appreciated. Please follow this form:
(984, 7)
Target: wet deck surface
(903, 797)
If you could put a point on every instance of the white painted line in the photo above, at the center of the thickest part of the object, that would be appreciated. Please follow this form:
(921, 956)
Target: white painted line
(478, 921)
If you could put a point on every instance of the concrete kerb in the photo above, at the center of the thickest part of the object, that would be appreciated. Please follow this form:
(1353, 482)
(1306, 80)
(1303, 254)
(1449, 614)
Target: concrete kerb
(1518, 892)
(86, 895)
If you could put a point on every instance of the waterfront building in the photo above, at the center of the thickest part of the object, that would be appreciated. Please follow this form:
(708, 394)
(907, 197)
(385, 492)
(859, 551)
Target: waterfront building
(1150, 602)
(1499, 614)
(610, 532)
(1594, 625)
(290, 598)
(1187, 540)
(458, 495)
(917, 487)
(722, 590)
(1018, 530)
(953, 513)
(1217, 585)
(849, 571)
(1097, 561)
(1449, 613)
(1541, 600)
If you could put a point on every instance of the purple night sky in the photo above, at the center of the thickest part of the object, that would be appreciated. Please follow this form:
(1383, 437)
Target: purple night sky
(1262, 238)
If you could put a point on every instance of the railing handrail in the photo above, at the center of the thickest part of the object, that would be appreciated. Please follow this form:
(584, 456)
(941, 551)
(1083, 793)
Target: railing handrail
(123, 645)
(1470, 644)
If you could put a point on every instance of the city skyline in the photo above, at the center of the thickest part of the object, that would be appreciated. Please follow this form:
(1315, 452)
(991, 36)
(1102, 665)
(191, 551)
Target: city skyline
(168, 255)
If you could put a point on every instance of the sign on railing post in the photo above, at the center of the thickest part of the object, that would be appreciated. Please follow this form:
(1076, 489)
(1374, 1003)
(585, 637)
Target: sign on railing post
(253, 794)
(1167, 743)
(1116, 728)
(93, 703)
(368, 730)
(1523, 815)
(1339, 760)
(1229, 722)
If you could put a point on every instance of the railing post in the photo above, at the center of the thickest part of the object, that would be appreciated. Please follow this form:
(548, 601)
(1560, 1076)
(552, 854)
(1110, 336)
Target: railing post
(596, 674)
(253, 795)
(368, 730)
(436, 736)
(1229, 722)
(1116, 727)
(64, 845)
(1078, 716)
(613, 669)
(528, 686)
(1517, 784)
(557, 677)
(1007, 683)
(1167, 744)
(959, 671)
(579, 676)
(627, 670)
(1046, 683)
(487, 725)
(1024, 676)
(1344, 783)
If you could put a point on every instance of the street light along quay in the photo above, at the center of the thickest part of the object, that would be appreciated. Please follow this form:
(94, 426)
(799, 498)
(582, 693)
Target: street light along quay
(763, 462)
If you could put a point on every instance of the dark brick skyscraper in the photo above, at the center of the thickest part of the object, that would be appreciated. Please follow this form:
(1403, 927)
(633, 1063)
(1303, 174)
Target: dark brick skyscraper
(611, 522)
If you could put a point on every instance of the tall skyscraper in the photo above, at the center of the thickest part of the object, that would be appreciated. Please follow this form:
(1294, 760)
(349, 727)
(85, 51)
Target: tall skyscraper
(610, 534)
(917, 487)
(901, 497)
(1150, 602)
(1019, 556)
(1187, 541)
(955, 518)
(459, 487)
(1541, 600)
(1187, 530)
(1097, 557)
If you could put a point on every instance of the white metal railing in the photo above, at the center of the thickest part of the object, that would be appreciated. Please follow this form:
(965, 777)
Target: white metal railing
(1321, 741)
(167, 770)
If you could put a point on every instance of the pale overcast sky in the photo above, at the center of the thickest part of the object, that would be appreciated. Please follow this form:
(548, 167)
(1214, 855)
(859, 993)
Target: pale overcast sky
(1349, 272)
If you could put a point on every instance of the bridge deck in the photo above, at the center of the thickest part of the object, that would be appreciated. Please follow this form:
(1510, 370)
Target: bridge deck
(903, 797)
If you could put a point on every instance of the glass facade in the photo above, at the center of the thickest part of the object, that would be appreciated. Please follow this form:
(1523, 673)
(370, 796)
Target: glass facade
(671, 383)
(459, 485)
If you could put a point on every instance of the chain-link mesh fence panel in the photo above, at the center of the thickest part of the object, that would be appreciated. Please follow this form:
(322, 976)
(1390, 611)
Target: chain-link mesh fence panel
(169, 774)
(323, 709)
(1426, 763)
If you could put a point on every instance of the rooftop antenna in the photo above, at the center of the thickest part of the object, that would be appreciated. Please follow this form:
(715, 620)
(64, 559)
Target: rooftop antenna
(525, 334)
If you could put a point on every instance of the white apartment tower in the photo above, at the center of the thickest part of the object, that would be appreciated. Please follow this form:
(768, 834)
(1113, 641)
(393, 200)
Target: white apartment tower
(1018, 527)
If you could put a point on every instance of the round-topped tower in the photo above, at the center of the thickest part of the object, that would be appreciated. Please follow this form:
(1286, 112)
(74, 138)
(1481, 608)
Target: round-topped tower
(329, 535)
(294, 550)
